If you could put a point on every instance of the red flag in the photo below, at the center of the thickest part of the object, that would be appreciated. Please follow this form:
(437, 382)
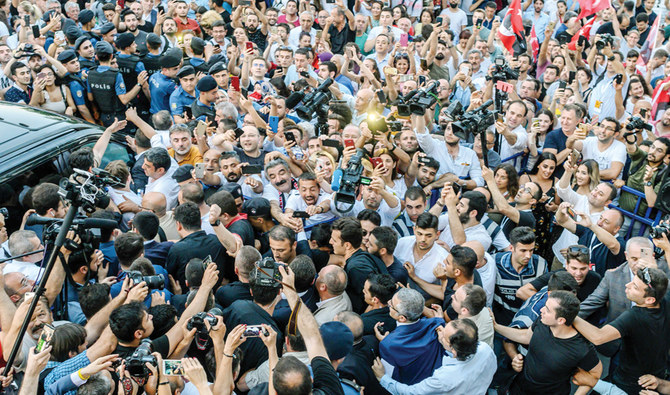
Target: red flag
(660, 97)
(647, 49)
(590, 7)
(584, 31)
(512, 26)
(534, 44)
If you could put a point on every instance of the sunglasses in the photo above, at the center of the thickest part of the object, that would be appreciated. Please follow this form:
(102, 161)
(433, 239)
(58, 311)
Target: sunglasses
(578, 250)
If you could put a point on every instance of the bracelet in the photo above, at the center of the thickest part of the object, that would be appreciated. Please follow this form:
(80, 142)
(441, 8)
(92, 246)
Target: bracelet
(81, 376)
(164, 383)
(229, 356)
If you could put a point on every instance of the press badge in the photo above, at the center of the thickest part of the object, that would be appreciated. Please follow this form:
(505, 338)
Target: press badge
(598, 105)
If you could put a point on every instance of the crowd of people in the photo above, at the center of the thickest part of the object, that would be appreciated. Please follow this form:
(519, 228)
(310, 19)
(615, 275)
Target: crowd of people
(330, 197)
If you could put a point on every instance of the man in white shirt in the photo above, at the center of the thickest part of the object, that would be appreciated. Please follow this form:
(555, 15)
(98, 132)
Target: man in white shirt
(420, 250)
(159, 168)
(457, 17)
(461, 223)
(512, 137)
(22, 242)
(469, 301)
(231, 173)
(306, 23)
(605, 149)
(314, 205)
(385, 27)
(377, 197)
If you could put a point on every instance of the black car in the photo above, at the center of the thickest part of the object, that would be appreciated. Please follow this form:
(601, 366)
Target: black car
(35, 145)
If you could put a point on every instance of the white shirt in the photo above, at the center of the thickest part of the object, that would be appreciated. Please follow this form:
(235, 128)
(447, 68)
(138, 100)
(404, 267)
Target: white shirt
(464, 164)
(397, 32)
(423, 268)
(295, 202)
(118, 197)
(166, 185)
(507, 150)
(247, 192)
(580, 204)
(294, 36)
(477, 232)
(488, 273)
(616, 152)
(387, 213)
(30, 270)
(457, 20)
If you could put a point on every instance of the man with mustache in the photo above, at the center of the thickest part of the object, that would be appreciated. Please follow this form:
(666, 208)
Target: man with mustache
(310, 200)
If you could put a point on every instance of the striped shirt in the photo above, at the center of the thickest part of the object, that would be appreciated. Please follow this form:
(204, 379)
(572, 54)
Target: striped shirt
(508, 281)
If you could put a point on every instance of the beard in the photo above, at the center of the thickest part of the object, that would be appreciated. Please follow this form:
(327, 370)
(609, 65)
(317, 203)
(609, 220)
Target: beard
(439, 56)
(233, 177)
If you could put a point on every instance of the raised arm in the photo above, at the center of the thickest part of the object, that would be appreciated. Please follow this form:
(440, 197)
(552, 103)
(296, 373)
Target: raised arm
(501, 203)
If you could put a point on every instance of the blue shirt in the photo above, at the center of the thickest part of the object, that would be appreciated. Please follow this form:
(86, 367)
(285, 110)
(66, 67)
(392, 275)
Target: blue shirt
(16, 95)
(119, 86)
(77, 91)
(161, 88)
(530, 310)
(66, 368)
(180, 99)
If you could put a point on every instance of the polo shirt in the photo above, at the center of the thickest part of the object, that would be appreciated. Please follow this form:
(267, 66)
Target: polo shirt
(191, 158)
(602, 259)
(423, 268)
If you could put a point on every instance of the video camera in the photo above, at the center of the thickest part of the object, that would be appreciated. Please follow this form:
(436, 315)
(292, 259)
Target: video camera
(473, 122)
(266, 273)
(352, 178)
(502, 72)
(657, 232)
(378, 124)
(153, 282)
(604, 40)
(136, 363)
(88, 230)
(315, 102)
(201, 331)
(88, 190)
(637, 123)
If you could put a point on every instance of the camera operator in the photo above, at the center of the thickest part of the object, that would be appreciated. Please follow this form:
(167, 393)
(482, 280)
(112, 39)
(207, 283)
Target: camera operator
(46, 203)
(129, 247)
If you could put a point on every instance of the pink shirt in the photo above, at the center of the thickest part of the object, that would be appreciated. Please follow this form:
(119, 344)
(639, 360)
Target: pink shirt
(282, 19)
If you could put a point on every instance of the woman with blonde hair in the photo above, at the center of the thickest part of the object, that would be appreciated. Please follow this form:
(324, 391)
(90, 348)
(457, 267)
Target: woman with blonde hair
(324, 165)
(586, 178)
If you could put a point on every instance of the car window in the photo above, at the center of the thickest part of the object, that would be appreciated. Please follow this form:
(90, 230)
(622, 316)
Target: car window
(114, 151)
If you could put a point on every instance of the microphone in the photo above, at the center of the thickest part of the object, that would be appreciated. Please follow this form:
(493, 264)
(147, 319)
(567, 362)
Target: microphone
(293, 99)
(83, 222)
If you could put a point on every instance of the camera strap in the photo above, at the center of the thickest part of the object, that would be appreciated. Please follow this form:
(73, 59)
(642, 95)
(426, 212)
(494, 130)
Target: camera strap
(293, 319)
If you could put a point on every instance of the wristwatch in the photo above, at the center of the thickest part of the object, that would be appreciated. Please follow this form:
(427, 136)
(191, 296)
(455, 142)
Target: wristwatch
(649, 183)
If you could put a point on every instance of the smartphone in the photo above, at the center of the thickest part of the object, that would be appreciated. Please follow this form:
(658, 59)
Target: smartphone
(643, 112)
(251, 169)
(289, 136)
(381, 96)
(199, 170)
(235, 82)
(188, 112)
(26, 19)
(274, 123)
(422, 80)
(571, 77)
(245, 3)
(172, 367)
(41, 76)
(254, 330)
(206, 261)
(479, 24)
(300, 214)
(376, 162)
(36, 31)
(59, 35)
(584, 129)
(201, 129)
(238, 133)
(574, 157)
(390, 71)
(572, 214)
(618, 78)
(551, 199)
(646, 253)
(273, 29)
(562, 84)
(535, 122)
(439, 20)
(45, 338)
(456, 187)
(331, 143)
(160, 8)
(424, 64)
(234, 41)
(250, 45)
(500, 118)
(349, 143)
(581, 41)
(404, 39)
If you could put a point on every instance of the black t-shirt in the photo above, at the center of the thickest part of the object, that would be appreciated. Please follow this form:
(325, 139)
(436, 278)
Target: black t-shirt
(325, 377)
(229, 293)
(526, 218)
(588, 286)
(602, 259)
(551, 362)
(243, 228)
(339, 38)
(160, 345)
(198, 245)
(449, 292)
(249, 313)
(359, 267)
(398, 271)
(372, 317)
(259, 161)
(644, 342)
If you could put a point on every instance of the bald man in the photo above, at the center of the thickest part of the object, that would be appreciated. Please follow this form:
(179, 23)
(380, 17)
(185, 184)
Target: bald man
(157, 203)
(486, 267)
(330, 285)
(363, 99)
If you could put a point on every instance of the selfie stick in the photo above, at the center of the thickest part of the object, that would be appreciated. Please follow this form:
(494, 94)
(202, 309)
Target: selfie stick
(60, 240)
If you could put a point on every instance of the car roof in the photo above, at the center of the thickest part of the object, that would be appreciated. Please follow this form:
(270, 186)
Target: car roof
(30, 136)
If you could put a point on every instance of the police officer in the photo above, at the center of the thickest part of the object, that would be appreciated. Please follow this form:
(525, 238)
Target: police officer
(86, 51)
(162, 84)
(106, 87)
(183, 96)
(108, 31)
(130, 67)
(220, 74)
(203, 108)
(74, 81)
(152, 60)
(87, 20)
(198, 59)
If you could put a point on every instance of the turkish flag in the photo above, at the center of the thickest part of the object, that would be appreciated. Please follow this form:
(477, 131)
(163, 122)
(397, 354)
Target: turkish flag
(647, 49)
(590, 7)
(534, 44)
(661, 98)
(511, 28)
(584, 31)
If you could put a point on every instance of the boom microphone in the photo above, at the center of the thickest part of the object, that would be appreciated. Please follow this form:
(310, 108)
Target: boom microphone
(83, 222)
(293, 99)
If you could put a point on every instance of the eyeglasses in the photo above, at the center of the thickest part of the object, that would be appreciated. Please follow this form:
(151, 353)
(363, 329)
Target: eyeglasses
(578, 249)
(646, 277)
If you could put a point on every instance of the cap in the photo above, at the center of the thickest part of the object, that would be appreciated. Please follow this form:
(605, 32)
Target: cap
(234, 189)
(85, 16)
(183, 173)
(124, 40)
(337, 338)
(103, 46)
(67, 56)
(217, 68)
(170, 60)
(80, 41)
(257, 207)
(153, 39)
(185, 71)
(72, 32)
(198, 45)
(206, 84)
(107, 27)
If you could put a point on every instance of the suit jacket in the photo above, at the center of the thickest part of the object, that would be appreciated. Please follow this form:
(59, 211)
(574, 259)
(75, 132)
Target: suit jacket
(327, 311)
(611, 292)
(157, 252)
(140, 179)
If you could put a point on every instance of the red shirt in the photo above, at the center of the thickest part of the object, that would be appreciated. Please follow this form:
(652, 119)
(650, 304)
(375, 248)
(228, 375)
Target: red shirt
(189, 25)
